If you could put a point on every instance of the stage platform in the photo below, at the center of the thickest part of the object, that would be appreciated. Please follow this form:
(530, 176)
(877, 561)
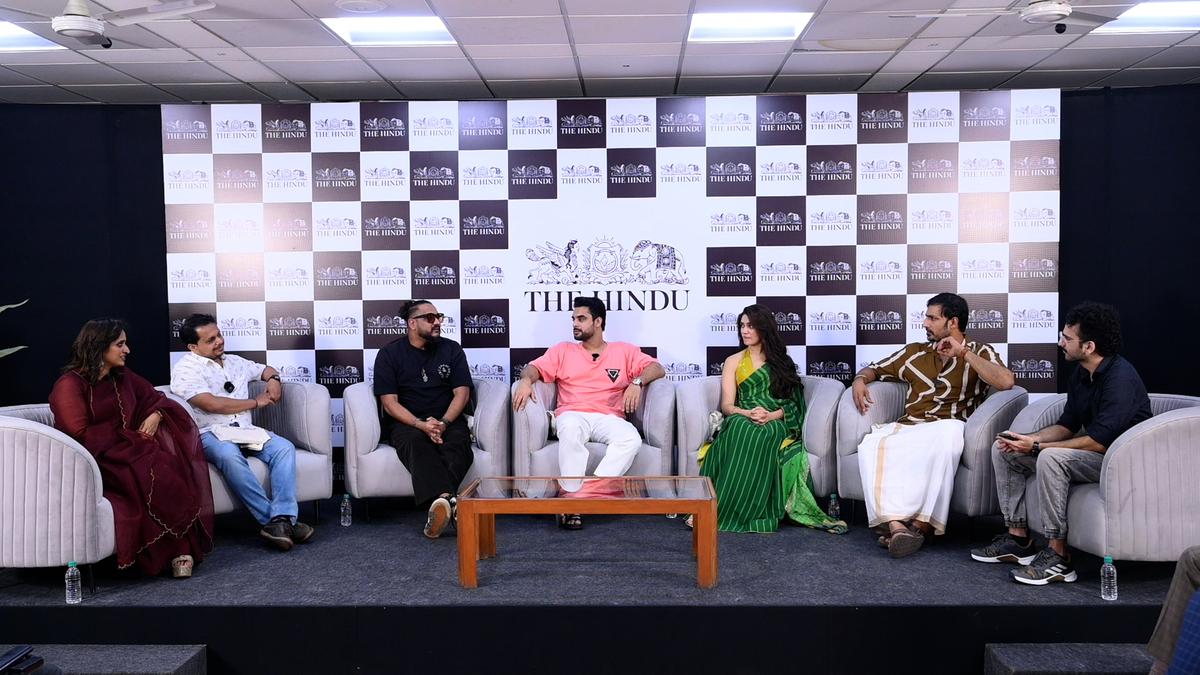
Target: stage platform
(619, 596)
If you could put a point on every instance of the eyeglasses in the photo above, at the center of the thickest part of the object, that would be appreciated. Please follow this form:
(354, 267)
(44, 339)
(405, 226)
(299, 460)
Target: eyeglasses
(229, 387)
(430, 317)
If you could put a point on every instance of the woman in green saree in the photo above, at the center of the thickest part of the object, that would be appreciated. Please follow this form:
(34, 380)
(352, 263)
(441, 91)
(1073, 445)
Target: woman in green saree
(757, 462)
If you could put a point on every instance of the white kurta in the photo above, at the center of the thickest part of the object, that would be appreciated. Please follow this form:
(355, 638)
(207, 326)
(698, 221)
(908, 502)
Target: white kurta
(908, 471)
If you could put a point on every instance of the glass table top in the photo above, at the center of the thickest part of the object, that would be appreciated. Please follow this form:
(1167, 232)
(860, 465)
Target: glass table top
(623, 487)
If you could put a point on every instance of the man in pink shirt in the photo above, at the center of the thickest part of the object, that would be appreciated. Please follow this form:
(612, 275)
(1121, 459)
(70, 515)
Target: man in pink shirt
(598, 382)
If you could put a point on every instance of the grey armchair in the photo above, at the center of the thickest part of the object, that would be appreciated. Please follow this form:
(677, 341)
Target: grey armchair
(53, 510)
(374, 470)
(302, 417)
(696, 398)
(974, 482)
(535, 451)
(1146, 504)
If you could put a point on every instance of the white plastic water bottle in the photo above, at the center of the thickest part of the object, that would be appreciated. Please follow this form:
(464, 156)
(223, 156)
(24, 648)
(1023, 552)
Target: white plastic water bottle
(346, 517)
(1108, 579)
(835, 507)
(74, 588)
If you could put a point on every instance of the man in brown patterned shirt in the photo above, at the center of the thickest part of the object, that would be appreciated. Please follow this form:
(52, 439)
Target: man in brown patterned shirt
(908, 466)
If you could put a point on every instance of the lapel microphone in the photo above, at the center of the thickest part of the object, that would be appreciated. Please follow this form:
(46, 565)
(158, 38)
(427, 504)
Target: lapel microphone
(595, 356)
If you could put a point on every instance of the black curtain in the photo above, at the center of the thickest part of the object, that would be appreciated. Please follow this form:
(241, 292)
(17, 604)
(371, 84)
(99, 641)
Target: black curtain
(83, 235)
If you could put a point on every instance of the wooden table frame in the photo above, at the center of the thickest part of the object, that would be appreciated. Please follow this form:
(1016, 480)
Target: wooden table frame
(477, 522)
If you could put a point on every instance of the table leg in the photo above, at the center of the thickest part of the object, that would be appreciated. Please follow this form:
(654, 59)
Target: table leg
(695, 534)
(706, 544)
(468, 546)
(487, 535)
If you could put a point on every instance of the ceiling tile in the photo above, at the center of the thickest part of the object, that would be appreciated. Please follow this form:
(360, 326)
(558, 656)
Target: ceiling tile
(630, 7)
(125, 93)
(412, 52)
(177, 73)
(888, 5)
(186, 34)
(834, 63)
(630, 86)
(172, 55)
(779, 47)
(74, 74)
(1060, 79)
(218, 54)
(630, 66)
(536, 88)
(249, 71)
(1037, 41)
(327, 8)
(301, 53)
(456, 8)
(722, 85)
(283, 91)
(1173, 57)
(217, 93)
(913, 62)
(818, 83)
(861, 26)
(603, 29)
(950, 81)
(325, 71)
(626, 49)
(1145, 77)
(730, 64)
(958, 27)
(44, 94)
(251, 9)
(12, 77)
(55, 56)
(1110, 40)
(534, 69)
(518, 51)
(283, 33)
(502, 31)
(888, 82)
(352, 91)
(1013, 25)
(445, 90)
(1069, 59)
(758, 5)
(1192, 41)
(1008, 59)
(419, 70)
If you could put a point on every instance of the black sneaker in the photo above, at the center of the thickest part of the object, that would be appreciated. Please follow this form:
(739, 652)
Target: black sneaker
(279, 532)
(1046, 567)
(439, 516)
(1005, 549)
(301, 533)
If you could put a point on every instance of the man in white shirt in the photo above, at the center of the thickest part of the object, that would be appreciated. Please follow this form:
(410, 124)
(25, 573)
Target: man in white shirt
(215, 384)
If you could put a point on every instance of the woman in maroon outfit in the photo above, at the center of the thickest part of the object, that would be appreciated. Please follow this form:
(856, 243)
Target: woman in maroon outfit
(151, 462)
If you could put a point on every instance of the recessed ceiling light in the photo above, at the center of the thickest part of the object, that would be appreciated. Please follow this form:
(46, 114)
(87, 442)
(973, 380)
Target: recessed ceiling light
(391, 30)
(13, 38)
(1156, 17)
(747, 26)
(360, 6)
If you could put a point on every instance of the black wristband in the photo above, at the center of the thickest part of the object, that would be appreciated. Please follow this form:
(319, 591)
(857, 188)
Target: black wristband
(276, 378)
(1037, 447)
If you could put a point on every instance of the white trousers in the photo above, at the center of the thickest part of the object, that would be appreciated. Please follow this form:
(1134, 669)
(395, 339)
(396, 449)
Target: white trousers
(908, 471)
(575, 429)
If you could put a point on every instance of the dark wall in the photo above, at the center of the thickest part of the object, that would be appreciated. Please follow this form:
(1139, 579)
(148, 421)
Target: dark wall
(81, 198)
(83, 235)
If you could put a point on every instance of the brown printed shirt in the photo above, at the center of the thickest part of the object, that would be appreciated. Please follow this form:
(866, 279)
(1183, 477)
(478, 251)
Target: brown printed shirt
(936, 391)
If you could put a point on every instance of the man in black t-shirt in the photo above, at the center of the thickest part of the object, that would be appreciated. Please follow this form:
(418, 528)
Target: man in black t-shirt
(423, 384)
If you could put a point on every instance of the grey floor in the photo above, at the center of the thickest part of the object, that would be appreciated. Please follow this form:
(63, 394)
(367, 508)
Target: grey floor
(614, 560)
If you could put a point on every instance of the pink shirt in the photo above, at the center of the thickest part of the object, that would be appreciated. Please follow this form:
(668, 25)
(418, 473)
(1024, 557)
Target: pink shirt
(585, 385)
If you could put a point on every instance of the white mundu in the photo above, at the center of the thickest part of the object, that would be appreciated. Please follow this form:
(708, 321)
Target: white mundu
(908, 471)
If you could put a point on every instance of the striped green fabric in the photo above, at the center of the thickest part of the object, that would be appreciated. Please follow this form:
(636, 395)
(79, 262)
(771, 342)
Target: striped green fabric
(761, 472)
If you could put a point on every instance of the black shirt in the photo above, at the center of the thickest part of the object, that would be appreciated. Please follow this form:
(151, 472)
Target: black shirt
(423, 380)
(1106, 403)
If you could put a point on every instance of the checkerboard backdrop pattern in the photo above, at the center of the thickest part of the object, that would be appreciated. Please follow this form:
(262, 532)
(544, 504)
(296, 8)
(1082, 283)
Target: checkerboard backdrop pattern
(303, 227)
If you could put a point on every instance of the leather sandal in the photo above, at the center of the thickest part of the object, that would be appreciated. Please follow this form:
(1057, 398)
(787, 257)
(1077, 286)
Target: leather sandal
(570, 521)
(181, 567)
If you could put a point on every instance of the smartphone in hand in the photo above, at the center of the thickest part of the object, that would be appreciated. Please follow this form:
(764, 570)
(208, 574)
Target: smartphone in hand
(1006, 436)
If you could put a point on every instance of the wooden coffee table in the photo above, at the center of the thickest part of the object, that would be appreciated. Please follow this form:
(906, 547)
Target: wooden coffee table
(485, 498)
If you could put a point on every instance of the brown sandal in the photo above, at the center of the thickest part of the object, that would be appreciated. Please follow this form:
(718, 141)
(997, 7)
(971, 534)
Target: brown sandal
(181, 567)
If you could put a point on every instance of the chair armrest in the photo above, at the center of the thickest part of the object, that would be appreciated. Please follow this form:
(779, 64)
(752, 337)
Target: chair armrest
(853, 426)
(1148, 487)
(1039, 414)
(656, 411)
(822, 396)
(302, 416)
(531, 428)
(492, 412)
(694, 400)
(363, 427)
(994, 415)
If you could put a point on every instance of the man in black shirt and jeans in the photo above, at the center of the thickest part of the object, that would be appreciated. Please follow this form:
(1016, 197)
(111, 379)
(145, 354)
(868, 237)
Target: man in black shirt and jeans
(1106, 397)
(424, 384)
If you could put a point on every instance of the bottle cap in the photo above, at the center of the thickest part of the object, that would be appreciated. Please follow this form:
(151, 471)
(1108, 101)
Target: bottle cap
(71, 564)
(833, 495)
(1108, 559)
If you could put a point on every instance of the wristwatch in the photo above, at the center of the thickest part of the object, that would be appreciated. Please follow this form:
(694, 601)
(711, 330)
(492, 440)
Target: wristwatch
(637, 381)
(276, 378)
(1037, 447)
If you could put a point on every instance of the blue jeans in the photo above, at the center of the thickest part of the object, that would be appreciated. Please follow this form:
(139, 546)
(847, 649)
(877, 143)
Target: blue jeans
(280, 457)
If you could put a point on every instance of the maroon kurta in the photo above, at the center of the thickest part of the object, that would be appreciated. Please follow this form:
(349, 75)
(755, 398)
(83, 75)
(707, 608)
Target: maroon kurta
(158, 486)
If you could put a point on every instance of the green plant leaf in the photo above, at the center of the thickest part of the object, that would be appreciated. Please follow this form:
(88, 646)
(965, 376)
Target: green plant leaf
(9, 350)
(4, 307)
